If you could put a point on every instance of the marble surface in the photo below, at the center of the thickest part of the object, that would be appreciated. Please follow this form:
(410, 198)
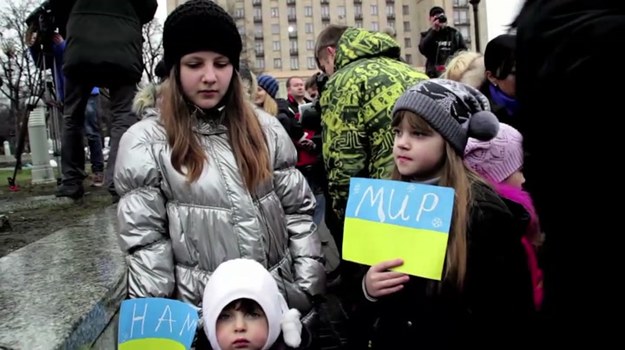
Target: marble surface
(63, 290)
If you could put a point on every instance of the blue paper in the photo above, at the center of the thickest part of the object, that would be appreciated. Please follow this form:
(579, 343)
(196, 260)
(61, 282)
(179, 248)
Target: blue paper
(413, 205)
(157, 318)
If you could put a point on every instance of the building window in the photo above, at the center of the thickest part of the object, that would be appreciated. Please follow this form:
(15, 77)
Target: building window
(466, 33)
(406, 26)
(260, 63)
(407, 42)
(275, 29)
(291, 11)
(374, 10)
(358, 10)
(258, 13)
(258, 46)
(391, 23)
(258, 29)
(308, 11)
(359, 24)
(459, 3)
(341, 11)
(276, 45)
(375, 26)
(461, 17)
(294, 63)
(275, 12)
(405, 10)
(325, 10)
(409, 58)
(293, 44)
(308, 27)
(311, 63)
(239, 13)
(241, 29)
(277, 63)
(390, 9)
(310, 44)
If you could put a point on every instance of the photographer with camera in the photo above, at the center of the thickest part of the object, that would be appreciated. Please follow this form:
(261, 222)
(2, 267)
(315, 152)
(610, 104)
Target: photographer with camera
(439, 43)
(104, 48)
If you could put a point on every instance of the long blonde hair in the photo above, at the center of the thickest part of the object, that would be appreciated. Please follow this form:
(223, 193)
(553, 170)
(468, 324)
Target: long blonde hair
(457, 176)
(244, 132)
(270, 105)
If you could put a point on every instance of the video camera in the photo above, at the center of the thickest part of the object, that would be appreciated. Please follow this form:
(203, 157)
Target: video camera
(43, 21)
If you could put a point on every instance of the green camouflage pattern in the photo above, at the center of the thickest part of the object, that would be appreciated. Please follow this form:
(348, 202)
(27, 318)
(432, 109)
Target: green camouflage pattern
(356, 110)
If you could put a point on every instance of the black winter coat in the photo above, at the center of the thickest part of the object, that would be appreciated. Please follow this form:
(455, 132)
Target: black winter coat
(104, 39)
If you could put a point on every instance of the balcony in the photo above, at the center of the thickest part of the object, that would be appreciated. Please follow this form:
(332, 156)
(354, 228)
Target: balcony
(462, 22)
(290, 2)
(292, 18)
(258, 19)
(260, 53)
(325, 2)
(257, 2)
(258, 36)
(325, 17)
(294, 52)
(358, 16)
(390, 1)
(357, 1)
(390, 15)
(293, 34)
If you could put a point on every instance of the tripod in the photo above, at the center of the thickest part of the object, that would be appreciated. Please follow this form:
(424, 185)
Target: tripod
(53, 115)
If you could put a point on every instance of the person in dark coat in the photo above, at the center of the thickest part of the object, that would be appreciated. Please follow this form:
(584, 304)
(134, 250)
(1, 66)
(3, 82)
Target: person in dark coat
(439, 43)
(104, 48)
(568, 79)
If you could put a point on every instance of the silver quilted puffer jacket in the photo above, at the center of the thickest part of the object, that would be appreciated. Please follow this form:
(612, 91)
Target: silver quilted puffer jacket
(176, 233)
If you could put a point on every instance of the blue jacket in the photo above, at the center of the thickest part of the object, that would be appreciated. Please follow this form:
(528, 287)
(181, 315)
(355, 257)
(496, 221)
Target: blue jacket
(57, 71)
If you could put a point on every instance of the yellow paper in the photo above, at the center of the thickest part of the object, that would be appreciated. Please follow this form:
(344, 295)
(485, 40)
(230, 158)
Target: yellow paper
(423, 251)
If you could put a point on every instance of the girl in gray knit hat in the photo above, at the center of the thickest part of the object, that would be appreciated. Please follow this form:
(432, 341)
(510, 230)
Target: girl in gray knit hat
(486, 286)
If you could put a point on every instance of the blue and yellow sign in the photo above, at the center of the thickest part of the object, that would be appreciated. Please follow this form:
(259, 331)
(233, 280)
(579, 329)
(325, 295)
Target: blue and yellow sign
(156, 324)
(387, 220)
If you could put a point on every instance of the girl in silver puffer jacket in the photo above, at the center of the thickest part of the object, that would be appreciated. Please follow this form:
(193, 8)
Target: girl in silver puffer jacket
(207, 179)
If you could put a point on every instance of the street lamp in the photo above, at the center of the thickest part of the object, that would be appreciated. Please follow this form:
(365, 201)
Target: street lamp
(476, 20)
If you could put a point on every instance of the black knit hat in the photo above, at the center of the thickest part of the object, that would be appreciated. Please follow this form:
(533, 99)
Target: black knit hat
(500, 55)
(200, 25)
(160, 71)
(456, 111)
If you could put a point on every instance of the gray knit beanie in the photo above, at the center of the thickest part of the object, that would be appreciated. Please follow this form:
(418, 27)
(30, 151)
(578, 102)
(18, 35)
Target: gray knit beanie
(456, 111)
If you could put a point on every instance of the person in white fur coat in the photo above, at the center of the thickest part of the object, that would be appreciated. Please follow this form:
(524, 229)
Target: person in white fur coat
(242, 308)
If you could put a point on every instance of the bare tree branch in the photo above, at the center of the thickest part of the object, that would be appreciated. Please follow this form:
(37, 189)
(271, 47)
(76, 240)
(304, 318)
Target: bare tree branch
(152, 47)
(248, 53)
(20, 77)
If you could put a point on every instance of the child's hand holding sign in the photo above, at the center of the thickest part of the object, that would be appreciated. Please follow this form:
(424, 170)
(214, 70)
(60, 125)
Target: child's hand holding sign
(379, 281)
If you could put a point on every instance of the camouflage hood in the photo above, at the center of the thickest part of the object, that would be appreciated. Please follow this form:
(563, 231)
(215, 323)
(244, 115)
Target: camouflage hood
(356, 44)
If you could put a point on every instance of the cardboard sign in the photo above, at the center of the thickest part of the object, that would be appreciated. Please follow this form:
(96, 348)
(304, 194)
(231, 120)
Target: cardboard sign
(387, 220)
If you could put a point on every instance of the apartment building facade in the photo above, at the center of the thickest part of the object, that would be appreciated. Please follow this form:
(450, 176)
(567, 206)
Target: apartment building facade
(279, 35)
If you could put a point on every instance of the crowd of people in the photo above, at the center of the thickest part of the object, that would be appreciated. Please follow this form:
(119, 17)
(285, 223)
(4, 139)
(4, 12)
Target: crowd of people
(222, 184)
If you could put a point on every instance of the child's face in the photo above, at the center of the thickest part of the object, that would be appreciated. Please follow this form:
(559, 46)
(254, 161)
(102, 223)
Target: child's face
(417, 153)
(242, 325)
(516, 179)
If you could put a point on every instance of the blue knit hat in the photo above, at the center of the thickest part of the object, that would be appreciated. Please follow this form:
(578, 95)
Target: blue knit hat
(269, 84)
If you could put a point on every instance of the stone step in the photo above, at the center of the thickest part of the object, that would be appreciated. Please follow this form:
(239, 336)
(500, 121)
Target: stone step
(62, 291)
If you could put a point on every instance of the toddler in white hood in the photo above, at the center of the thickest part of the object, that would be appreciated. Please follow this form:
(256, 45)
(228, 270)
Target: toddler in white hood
(244, 309)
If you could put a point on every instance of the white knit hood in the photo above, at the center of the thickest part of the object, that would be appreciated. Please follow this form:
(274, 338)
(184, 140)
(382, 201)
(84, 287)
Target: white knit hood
(245, 278)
